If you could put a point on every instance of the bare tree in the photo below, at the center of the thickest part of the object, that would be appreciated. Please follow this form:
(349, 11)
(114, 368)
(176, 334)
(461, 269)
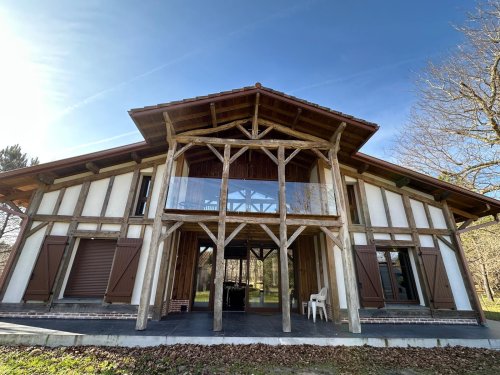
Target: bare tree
(454, 130)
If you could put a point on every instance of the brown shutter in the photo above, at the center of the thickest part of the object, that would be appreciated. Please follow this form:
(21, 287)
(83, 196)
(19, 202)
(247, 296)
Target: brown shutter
(121, 281)
(46, 266)
(90, 272)
(441, 296)
(370, 286)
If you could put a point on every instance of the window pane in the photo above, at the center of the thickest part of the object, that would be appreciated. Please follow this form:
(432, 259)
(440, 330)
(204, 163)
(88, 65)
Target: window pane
(203, 277)
(385, 275)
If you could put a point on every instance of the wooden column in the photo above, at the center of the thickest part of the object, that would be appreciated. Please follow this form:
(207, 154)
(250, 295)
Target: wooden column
(468, 281)
(285, 295)
(162, 276)
(147, 284)
(221, 237)
(347, 255)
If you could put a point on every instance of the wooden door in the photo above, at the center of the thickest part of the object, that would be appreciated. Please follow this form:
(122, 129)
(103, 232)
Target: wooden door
(370, 286)
(441, 296)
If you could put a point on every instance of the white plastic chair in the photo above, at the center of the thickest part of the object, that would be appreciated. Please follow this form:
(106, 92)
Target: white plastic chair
(315, 301)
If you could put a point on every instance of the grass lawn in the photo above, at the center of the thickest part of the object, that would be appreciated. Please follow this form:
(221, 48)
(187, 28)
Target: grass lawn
(490, 310)
(247, 359)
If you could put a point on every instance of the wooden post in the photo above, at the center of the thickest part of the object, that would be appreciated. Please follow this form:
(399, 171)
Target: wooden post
(147, 284)
(221, 237)
(347, 255)
(462, 261)
(285, 295)
(162, 276)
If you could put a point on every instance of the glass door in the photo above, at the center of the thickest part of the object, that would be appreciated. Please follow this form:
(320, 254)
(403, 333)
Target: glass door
(263, 278)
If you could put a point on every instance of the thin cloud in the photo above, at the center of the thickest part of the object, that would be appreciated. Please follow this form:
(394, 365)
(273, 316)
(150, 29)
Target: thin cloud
(230, 35)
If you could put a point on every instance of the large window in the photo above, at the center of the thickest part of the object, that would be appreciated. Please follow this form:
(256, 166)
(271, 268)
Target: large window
(396, 275)
(352, 200)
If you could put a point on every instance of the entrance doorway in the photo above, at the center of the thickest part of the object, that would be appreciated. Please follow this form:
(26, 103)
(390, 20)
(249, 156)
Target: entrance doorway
(251, 277)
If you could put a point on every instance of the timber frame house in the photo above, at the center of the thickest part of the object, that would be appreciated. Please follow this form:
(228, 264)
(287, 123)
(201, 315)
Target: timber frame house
(247, 200)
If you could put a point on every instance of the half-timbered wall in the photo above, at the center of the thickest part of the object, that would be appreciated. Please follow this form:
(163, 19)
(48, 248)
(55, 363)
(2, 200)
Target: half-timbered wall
(90, 205)
(388, 225)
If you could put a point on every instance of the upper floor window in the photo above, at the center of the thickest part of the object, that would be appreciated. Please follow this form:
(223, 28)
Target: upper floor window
(352, 200)
(144, 192)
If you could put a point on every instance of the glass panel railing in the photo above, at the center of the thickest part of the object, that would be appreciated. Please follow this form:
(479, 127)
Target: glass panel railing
(309, 198)
(251, 196)
(256, 196)
(193, 193)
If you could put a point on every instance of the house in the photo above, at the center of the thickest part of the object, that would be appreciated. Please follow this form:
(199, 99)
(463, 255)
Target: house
(247, 200)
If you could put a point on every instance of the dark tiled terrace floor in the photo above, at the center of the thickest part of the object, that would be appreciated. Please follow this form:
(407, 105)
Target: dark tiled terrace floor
(257, 325)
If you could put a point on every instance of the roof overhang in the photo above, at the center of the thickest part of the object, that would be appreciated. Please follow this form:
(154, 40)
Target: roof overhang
(224, 107)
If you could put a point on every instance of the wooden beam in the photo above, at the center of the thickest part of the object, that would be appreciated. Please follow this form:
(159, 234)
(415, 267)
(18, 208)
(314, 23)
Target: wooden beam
(240, 152)
(147, 284)
(253, 143)
(285, 293)
(403, 181)
(263, 133)
(271, 156)
(234, 233)
(333, 237)
(182, 150)
(213, 115)
(478, 226)
(485, 207)
(199, 132)
(221, 237)
(46, 179)
(464, 269)
(170, 230)
(208, 231)
(135, 157)
(244, 131)
(216, 153)
(295, 234)
(255, 124)
(442, 196)
(296, 118)
(464, 213)
(36, 229)
(335, 138)
(320, 155)
(292, 155)
(363, 168)
(351, 283)
(270, 234)
(465, 224)
(169, 127)
(294, 133)
(92, 167)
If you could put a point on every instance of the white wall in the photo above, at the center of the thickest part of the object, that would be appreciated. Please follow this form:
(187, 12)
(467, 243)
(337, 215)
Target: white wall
(48, 203)
(454, 276)
(69, 200)
(437, 217)
(24, 267)
(95, 197)
(376, 206)
(396, 209)
(155, 194)
(418, 210)
(119, 195)
(141, 268)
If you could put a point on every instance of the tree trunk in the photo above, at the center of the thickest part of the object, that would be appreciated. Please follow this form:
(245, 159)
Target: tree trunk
(4, 225)
(486, 283)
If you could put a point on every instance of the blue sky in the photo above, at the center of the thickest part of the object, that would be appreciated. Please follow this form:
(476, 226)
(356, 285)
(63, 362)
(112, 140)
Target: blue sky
(70, 70)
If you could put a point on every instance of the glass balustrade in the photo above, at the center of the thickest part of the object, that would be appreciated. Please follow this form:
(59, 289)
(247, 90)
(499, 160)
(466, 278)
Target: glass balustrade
(250, 196)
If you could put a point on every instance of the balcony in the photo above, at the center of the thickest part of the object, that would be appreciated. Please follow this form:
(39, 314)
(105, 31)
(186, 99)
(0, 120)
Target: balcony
(250, 196)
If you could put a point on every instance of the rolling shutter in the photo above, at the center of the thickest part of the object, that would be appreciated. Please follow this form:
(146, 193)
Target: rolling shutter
(91, 268)
(46, 267)
(122, 278)
(370, 287)
(441, 296)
